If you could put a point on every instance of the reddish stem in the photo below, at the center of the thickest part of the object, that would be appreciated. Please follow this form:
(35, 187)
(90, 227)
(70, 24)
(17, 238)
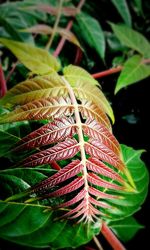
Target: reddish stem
(111, 238)
(11, 71)
(3, 86)
(107, 72)
(114, 70)
(68, 27)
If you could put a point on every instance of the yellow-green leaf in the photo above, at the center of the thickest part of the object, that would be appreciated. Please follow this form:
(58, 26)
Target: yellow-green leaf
(38, 60)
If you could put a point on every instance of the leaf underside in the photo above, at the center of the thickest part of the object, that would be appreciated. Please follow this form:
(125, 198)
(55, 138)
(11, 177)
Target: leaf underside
(78, 130)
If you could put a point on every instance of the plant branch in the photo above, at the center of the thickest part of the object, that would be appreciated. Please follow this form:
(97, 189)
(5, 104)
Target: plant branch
(111, 238)
(114, 70)
(3, 86)
(55, 25)
(97, 243)
(68, 27)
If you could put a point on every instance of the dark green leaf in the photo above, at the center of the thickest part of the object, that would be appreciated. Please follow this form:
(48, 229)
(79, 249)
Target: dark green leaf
(122, 7)
(134, 70)
(92, 33)
(132, 39)
(125, 229)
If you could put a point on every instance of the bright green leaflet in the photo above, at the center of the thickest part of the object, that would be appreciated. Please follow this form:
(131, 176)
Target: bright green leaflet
(132, 39)
(37, 60)
(92, 33)
(122, 7)
(134, 70)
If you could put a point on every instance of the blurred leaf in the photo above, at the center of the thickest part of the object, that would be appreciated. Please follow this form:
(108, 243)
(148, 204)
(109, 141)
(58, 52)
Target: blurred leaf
(134, 70)
(132, 39)
(122, 7)
(92, 33)
(125, 229)
(45, 29)
(38, 60)
(138, 4)
(52, 10)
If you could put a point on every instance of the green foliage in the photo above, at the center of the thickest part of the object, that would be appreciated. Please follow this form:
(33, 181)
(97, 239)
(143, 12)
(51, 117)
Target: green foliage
(132, 39)
(125, 229)
(92, 33)
(33, 223)
(134, 70)
(123, 9)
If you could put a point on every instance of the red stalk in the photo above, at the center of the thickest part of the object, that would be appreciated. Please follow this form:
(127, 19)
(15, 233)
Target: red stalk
(68, 27)
(111, 238)
(3, 86)
(107, 72)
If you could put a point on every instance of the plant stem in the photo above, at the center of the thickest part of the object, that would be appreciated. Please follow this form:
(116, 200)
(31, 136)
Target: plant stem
(97, 243)
(3, 86)
(55, 25)
(114, 70)
(68, 27)
(11, 71)
(111, 238)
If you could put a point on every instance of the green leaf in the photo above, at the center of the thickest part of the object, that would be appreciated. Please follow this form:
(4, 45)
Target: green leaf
(122, 7)
(92, 33)
(138, 4)
(131, 202)
(35, 225)
(134, 70)
(38, 60)
(125, 229)
(132, 39)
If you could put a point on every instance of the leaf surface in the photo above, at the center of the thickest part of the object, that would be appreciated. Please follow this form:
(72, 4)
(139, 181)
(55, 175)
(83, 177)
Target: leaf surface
(132, 39)
(37, 60)
(92, 33)
(134, 70)
(123, 9)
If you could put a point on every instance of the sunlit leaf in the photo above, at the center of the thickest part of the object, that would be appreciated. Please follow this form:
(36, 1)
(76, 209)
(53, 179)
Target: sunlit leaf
(134, 70)
(132, 39)
(38, 60)
(92, 33)
(123, 9)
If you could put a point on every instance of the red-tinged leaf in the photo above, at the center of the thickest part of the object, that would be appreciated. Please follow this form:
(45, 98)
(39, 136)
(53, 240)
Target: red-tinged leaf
(100, 132)
(98, 150)
(72, 186)
(62, 150)
(96, 180)
(74, 200)
(47, 8)
(74, 210)
(40, 109)
(55, 131)
(99, 167)
(92, 111)
(45, 29)
(100, 194)
(72, 169)
(99, 203)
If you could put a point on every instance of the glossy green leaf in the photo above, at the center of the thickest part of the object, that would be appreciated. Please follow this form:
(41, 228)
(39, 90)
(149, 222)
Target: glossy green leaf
(132, 39)
(92, 33)
(35, 225)
(123, 9)
(37, 60)
(134, 70)
(125, 229)
(131, 202)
